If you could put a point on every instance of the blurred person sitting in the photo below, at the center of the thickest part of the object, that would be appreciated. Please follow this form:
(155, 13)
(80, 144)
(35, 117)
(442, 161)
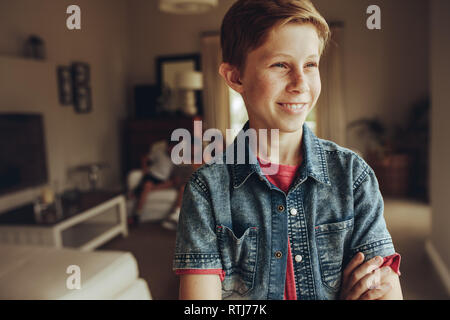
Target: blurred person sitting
(180, 177)
(157, 173)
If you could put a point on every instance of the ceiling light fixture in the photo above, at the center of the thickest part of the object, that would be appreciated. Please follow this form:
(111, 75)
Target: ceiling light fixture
(187, 6)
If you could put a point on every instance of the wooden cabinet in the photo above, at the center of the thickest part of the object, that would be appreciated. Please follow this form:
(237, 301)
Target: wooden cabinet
(142, 133)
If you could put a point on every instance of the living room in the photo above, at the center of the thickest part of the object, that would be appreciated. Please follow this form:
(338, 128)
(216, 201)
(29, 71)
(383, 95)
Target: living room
(383, 73)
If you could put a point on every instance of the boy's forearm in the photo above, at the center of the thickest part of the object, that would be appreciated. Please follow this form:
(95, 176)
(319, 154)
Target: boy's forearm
(200, 287)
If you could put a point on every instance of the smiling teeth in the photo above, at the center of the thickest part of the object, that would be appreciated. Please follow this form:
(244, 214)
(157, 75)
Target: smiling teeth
(293, 106)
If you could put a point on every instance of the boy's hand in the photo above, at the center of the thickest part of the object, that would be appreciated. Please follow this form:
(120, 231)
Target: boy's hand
(366, 281)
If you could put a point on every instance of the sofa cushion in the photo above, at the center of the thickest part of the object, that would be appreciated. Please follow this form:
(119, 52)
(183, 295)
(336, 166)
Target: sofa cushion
(138, 290)
(34, 272)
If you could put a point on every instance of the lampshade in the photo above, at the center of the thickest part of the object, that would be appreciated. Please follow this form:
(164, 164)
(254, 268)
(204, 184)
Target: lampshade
(187, 6)
(190, 80)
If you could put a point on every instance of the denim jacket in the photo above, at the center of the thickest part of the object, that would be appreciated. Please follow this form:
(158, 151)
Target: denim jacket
(232, 218)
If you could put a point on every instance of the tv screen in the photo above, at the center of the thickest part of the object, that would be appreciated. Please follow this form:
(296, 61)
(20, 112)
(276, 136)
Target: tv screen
(22, 152)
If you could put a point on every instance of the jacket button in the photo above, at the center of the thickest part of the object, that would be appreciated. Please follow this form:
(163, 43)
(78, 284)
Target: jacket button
(298, 258)
(293, 212)
(280, 208)
(278, 254)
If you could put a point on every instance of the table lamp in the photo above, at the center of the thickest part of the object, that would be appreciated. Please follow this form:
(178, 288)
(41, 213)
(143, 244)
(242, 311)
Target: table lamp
(187, 82)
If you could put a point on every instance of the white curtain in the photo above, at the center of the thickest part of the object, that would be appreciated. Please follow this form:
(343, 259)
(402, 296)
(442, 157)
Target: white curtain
(330, 108)
(216, 98)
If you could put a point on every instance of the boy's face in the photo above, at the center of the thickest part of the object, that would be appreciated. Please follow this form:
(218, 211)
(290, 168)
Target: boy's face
(281, 82)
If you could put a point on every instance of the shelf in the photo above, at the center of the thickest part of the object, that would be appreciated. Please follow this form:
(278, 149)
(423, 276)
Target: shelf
(98, 223)
(25, 59)
(86, 236)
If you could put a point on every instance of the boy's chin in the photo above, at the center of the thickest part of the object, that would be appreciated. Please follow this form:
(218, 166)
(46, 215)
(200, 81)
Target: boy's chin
(283, 124)
(291, 126)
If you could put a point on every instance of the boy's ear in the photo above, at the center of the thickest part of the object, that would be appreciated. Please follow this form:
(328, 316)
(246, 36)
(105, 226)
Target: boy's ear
(232, 76)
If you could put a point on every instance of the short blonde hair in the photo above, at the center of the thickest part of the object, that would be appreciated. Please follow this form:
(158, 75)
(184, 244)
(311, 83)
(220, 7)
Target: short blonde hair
(247, 23)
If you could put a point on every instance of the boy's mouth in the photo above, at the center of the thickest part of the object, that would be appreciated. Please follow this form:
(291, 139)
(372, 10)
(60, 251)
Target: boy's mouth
(293, 106)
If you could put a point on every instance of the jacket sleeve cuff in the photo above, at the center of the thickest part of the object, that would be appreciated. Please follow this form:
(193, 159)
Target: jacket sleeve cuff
(393, 261)
(219, 272)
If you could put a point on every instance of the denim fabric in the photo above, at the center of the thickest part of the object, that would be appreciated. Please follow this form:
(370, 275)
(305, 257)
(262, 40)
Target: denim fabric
(233, 218)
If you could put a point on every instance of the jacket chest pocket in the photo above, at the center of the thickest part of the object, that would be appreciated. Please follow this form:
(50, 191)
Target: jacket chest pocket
(239, 257)
(331, 240)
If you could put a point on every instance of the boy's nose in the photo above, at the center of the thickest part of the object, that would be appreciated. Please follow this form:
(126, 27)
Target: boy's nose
(297, 83)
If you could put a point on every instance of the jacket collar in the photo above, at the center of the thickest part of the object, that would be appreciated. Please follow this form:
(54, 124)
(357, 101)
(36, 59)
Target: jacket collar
(314, 160)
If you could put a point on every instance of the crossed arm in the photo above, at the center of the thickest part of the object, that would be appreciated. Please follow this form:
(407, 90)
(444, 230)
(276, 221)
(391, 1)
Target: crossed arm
(360, 281)
(367, 281)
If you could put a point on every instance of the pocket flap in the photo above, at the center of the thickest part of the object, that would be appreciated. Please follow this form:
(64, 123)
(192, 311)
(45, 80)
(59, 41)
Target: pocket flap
(332, 227)
(251, 232)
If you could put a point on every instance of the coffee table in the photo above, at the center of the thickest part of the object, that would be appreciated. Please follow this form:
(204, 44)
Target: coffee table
(85, 223)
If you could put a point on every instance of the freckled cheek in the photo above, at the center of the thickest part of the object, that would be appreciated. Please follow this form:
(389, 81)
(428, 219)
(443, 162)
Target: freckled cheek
(316, 88)
(263, 88)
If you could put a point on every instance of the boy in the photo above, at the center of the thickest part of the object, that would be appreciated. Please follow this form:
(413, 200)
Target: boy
(305, 231)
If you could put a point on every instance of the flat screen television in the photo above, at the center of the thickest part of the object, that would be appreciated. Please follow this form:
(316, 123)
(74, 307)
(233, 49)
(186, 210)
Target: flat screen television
(23, 157)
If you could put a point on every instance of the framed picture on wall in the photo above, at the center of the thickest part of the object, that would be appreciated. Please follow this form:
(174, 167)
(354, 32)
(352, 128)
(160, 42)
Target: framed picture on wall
(65, 88)
(82, 93)
(83, 99)
(167, 68)
(81, 74)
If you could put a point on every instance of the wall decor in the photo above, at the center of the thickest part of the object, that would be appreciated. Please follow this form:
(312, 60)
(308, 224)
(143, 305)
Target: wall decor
(82, 95)
(74, 86)
(83, 100)
(65, 89)
(80, 74)
(167, 68)
(34, 48)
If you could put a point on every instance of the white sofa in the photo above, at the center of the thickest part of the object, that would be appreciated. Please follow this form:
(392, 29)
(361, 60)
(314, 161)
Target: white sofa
(158, 204)
(40, 273)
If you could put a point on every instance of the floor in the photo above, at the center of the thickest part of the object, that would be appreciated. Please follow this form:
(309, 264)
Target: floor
(407, 221)
(153, 247)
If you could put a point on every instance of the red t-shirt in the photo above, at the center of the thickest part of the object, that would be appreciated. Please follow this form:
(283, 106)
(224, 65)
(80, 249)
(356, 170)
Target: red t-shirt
(283, 180)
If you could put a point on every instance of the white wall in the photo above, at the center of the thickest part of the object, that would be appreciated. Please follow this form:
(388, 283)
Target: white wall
(440, 134)
(26, 85)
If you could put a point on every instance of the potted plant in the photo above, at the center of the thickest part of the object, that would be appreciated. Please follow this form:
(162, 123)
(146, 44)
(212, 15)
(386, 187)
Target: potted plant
(398, 154)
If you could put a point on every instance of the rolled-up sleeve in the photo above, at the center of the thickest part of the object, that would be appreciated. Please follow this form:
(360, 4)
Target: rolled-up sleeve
(370, 234)
(196, 242)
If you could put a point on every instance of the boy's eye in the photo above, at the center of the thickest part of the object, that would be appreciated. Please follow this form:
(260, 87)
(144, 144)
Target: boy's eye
(311, 65)
(279, 64)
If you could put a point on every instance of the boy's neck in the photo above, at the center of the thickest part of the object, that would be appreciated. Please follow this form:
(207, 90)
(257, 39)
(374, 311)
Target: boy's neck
(288, 145)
